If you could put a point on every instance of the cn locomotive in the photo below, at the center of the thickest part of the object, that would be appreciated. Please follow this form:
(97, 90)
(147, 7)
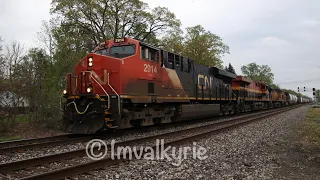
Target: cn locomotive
(125, 83)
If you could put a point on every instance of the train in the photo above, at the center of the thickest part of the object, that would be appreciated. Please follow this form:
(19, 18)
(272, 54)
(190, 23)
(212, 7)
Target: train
(125, 83)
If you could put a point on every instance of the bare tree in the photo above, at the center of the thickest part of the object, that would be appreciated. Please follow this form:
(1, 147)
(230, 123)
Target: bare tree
(45, 38)
(12, 57)
(10, 88)
(2, 64)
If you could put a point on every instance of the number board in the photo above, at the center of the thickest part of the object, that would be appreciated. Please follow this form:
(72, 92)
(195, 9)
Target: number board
(119, 40)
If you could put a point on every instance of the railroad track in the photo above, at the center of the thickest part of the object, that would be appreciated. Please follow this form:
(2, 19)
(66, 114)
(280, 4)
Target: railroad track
(22, 145)
(32, 141)
(18, 146)
(172, 138)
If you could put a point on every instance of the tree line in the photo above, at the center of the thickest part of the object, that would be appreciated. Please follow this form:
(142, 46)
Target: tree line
(75, 29)
(263, 73)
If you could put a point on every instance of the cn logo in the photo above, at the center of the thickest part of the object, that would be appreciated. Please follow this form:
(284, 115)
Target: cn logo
(204, 81)
(102, 82)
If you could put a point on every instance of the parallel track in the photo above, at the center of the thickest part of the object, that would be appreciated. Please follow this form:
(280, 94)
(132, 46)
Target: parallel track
(32, 141)
(199, 131)
(21, 145)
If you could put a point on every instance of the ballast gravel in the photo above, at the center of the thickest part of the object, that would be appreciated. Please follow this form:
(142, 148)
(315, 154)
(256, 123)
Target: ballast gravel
(28, 154)
(242, 153)
(75, 146)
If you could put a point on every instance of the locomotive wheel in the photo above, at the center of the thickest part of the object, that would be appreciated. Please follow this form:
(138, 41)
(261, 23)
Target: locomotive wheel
(125, 123)
(148, 121)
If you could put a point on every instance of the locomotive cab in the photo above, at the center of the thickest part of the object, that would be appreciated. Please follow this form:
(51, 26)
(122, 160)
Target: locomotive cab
(117, 72)
(93, 92)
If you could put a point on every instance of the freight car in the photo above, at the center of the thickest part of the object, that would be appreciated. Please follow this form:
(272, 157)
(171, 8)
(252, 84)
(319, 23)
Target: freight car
(291, 99)
(125, 83)
(302, 100)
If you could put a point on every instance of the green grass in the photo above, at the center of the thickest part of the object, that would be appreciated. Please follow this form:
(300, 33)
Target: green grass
(311, 127)
(10, 135)
(2, 139)
(22, 118)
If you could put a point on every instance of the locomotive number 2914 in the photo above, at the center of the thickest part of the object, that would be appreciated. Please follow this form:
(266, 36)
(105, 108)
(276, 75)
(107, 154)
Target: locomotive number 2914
(150, 68)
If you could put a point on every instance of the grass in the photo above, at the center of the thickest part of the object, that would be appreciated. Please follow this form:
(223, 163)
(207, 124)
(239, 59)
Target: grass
(22, 118)
(311, 127)
(2, 139)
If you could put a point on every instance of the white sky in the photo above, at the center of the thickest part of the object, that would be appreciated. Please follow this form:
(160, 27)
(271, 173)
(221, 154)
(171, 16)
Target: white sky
(284, 34)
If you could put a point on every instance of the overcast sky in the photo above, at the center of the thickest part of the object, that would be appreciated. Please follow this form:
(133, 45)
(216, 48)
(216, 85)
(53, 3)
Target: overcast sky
(284, 34)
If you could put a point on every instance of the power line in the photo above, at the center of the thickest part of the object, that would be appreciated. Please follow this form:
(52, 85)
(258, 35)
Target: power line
(307, 80)
(301, 81)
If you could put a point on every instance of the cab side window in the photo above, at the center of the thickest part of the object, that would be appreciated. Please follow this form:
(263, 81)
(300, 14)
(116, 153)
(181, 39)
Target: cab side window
(150, 54)
(144, 53)
(157, 56)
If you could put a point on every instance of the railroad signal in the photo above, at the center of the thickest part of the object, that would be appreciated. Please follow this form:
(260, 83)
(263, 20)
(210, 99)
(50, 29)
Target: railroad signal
(298, 89)
(304, 88)
(314, 91)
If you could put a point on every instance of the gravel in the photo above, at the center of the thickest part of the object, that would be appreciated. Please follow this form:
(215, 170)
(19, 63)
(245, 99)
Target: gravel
(238, 154)
(27, 154)
(59, 149)
(229, 154)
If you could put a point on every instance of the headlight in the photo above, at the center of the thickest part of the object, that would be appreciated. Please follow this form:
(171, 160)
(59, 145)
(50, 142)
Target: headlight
(89, 89)
(64, 92)
(90, 59)
(90, 64)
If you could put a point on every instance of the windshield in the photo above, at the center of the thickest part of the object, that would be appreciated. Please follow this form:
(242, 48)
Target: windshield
(122, 51)
(102, 52)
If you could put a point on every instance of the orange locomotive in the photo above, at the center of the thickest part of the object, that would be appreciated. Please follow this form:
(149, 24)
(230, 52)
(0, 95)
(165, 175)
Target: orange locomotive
(255, 95)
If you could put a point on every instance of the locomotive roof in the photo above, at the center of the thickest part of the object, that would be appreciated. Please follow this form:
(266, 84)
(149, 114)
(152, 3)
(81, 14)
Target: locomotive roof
(244, 79)
(222, 73)
(149, 45)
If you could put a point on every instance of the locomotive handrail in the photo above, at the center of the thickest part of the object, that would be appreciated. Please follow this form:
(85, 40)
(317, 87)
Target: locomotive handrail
(115, 93)
(101, 88)
(92, 77)
(74, 90)
(76, 83)
(60, 104)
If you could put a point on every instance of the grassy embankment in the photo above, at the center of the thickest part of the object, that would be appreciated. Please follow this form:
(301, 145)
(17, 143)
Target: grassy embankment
(21, 119)
(311, 129)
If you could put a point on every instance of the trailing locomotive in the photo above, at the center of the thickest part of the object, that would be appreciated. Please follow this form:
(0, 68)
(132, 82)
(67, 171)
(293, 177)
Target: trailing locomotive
(126, 82)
